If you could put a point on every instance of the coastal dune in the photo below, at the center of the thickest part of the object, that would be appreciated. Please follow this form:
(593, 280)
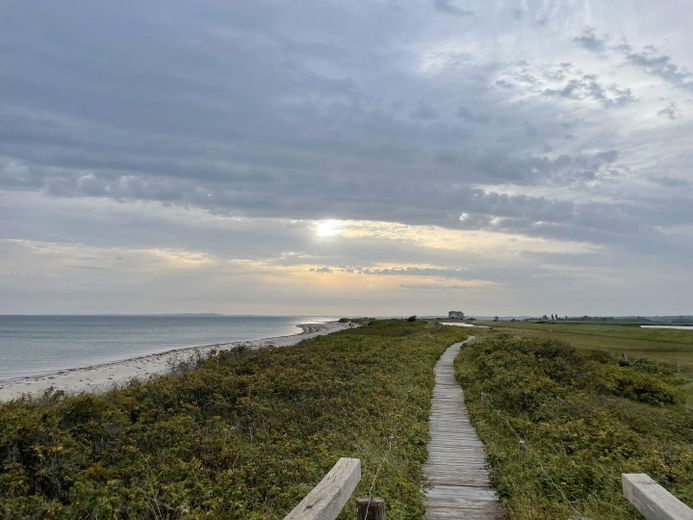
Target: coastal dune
(104, 376)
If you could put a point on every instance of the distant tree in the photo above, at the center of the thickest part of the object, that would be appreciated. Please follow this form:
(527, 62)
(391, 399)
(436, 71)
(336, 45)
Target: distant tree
(456, 315)
(544, 317)
(496, 318)
(411, 318)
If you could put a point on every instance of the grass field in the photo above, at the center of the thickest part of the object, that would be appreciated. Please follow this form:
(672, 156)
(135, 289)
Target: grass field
(585, 413)
(671, 347)
(240, 435)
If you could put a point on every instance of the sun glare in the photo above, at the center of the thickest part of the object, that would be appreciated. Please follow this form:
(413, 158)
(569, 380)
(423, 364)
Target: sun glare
(327, 228)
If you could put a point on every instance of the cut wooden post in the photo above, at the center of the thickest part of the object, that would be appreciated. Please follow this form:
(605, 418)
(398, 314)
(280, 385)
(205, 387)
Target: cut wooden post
(652, 500)
(523, 449)
(370, 508)
(327, 499)
(484, 400)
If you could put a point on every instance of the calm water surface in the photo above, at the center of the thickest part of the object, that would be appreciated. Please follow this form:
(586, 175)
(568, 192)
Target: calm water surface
(32, 345)
(676, 327)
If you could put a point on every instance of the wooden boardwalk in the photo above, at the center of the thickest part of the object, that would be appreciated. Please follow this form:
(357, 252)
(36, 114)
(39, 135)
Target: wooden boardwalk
(456, 465)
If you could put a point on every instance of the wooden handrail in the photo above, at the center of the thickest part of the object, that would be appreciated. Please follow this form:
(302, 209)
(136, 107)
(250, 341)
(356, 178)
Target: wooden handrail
(652, 500)
(327, 499)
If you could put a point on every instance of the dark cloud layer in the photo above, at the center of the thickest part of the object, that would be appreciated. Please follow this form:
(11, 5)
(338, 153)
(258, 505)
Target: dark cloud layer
(232, 108)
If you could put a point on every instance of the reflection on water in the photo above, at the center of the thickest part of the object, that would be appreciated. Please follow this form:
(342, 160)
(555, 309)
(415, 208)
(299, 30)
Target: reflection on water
(677, 327)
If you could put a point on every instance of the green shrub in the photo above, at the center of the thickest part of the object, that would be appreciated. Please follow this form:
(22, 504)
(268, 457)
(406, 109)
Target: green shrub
(585, 420)
(634, 385)
(245, 434)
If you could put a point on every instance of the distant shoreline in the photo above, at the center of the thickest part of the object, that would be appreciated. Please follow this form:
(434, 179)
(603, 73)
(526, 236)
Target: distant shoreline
(100, 377)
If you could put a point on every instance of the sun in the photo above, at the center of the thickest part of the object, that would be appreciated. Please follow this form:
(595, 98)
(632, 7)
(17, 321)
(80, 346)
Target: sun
(327, 228)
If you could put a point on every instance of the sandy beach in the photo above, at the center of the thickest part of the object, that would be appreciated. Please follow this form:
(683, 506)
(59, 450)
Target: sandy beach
(103, 376)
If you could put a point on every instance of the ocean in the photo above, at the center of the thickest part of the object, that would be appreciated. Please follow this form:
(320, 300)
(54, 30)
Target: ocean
(34, 345)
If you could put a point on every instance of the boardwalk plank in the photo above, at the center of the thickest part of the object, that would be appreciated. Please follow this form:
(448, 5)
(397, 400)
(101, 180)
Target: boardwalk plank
(456, 468)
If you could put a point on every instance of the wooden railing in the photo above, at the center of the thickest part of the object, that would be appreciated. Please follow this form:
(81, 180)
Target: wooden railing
(652, 500)
(327, 499)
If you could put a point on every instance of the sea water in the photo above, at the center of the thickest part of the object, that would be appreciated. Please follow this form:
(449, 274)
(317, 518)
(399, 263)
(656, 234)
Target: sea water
(672, 327)
(33, 345)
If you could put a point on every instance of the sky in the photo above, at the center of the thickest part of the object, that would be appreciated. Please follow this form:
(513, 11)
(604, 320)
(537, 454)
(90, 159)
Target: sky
(381, 157)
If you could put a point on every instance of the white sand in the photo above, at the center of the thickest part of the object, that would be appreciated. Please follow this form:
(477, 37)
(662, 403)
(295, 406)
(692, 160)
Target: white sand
(102, 377)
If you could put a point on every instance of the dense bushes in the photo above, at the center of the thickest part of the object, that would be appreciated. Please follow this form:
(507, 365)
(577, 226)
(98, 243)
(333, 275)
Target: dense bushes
(585, 418)
(242, 435)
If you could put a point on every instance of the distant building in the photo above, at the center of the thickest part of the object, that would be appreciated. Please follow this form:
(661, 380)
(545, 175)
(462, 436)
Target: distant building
(456, 315)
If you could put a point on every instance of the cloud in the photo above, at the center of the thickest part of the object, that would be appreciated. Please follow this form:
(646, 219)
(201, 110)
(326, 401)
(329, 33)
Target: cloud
(396, 270)
(260, 120)
(654, 62)
(451, 8)
(436, 286)
(424, 111)
(588, 40)
(666, 180)
(403, 201)
(474, 117)
(566, 81)
(670, 112)
(649, 58)
(588, 87)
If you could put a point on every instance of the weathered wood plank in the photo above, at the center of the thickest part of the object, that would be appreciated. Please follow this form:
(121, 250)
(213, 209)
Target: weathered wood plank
(456, 468)
(652, 500)
(490, 512)
(327, 499)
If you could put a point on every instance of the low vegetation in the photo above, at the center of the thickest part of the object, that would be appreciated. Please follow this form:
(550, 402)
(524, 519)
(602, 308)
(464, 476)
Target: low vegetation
(585, 416)
(669, 346)
(239, 435)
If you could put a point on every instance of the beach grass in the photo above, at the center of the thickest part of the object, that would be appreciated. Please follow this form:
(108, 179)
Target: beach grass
(242, 434)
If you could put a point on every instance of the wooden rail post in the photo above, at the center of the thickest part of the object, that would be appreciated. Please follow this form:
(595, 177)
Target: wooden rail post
(327, 499)
(370, 508)
(652, 500)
